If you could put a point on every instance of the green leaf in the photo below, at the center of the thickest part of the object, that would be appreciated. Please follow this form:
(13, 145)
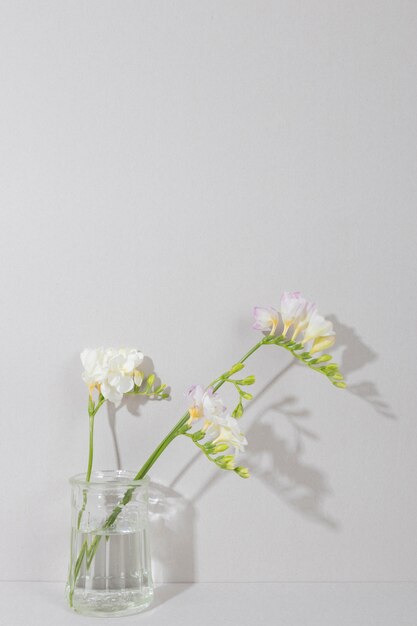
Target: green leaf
(340, 385)
(245, 395)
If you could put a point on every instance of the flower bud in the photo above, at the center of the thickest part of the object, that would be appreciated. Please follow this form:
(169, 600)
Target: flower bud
(236, 368)
(228, 462)
(138, 377)
(323, 358)
(242, 471)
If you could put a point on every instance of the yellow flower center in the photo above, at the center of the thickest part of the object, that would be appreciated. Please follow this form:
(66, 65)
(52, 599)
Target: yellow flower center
(194, 412)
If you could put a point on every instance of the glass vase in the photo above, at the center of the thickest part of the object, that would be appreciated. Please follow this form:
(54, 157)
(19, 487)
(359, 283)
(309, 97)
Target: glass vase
(110, 566)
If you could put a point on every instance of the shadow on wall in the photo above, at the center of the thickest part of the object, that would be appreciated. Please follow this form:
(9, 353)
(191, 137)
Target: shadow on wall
(133, 404)
(276, 456)
(172, 519)
(277, 448)
(355, 356)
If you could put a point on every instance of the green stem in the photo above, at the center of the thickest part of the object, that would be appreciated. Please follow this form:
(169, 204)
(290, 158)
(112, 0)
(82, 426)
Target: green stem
(176, 430)
(90, 448)
(92, 413)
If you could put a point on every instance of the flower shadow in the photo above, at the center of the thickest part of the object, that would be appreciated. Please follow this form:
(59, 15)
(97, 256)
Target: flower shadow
(277, 448)
(275, 456)
(355, 356)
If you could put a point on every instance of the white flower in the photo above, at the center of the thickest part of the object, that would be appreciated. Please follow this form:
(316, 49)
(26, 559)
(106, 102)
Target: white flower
(111, 370)
(293, 306)
(322, 343)
(204, 403)
(138, 377)
(266, 319)
(95, 365)
(226, 430)
(318, 326)
(303, 320)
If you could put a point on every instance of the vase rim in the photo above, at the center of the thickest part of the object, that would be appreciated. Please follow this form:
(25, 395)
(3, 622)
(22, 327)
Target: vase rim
(105, 478)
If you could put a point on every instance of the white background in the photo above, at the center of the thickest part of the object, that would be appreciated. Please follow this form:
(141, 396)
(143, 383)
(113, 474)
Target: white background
(164, 167)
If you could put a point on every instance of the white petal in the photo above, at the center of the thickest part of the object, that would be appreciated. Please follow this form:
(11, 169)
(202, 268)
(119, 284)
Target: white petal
(110, 393)
(125, 384)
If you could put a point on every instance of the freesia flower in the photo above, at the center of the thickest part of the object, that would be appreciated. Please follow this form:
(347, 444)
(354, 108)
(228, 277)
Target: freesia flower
(293, 307)
(302, 315)
(226, 430)
(95, 366)
(111, 370)
(204, 403)
(322, 343)
(138, 377)
(303, 319)
(266, 319)
(318, 326)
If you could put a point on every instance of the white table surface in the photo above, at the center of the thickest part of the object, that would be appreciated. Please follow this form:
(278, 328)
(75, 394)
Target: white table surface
(246, 604)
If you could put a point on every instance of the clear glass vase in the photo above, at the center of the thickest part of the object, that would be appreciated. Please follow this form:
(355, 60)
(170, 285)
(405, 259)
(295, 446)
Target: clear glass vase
(110, 566)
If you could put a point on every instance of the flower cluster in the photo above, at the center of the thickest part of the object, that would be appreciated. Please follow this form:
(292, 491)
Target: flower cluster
(298, 320)
(221, 430)
(113, 372)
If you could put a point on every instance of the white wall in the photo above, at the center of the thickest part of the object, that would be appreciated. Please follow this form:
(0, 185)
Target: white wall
(164, 167)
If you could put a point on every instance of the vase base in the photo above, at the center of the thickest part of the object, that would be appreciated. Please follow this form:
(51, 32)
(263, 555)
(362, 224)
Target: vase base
(114, 603)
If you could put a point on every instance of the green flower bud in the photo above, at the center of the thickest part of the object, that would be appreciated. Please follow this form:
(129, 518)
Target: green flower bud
(149, 383)
(228, 462)
(249, 380)
(238, 411)
(236, 368)
(323, 358)
(243, 472)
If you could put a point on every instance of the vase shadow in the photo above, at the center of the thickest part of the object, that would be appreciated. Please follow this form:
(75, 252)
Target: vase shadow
(172, 524)
(166, 591)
